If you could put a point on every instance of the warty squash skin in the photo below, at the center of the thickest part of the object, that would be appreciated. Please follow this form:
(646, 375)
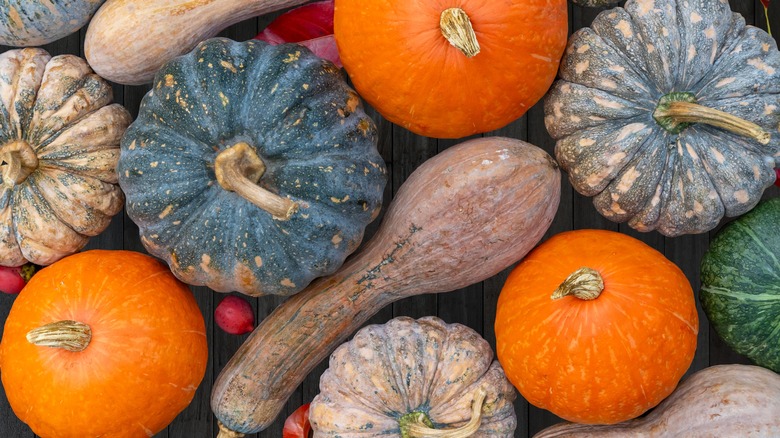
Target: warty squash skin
(740, 291)
(128, 359)
(59, 134)
(129, 40)
(25, 23)
(628, 114)
(424, 372)
(595, 3)
(461, 217)
(239, 107)
(717, 402)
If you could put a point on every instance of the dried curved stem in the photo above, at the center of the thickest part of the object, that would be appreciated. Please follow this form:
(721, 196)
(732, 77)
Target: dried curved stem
(584, 283)
(72, 336)
(419, 428)
(456, 27)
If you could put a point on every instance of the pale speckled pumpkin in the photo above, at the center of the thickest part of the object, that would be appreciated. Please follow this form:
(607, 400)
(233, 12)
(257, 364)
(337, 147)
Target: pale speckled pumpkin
(408, 376)
(633, 122)
(717, 402)
(59, 145)
(595, 3)
(26, 23)
(251, 167)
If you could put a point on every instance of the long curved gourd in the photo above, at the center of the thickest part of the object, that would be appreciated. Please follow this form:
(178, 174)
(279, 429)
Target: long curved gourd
(25, 23)
(460, 218)
(129, 40)
(719, 401)
(666, 114)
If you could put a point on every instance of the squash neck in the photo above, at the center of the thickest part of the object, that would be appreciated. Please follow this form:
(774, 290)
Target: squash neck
(677, 111)
(418, 425)
(68, 335)
(17, 161)
(584, 283)
(238, 169)
(456, 27)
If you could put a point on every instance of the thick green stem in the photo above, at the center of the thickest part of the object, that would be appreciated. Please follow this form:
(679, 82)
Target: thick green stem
(72, 336)
(238, 169)
(585, 283)
(456, 27)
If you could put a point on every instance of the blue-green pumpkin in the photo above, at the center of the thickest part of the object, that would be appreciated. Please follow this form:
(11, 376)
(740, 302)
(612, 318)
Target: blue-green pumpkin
(740, 292)
(25, 23)
(251, 167)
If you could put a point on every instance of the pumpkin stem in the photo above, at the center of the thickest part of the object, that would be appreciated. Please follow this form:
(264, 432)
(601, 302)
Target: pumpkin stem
(69, 335)
(238, 169)
(17, 161)
(585, 283)
(421, 425)
(457, 29)
(224, 432)
(674, 114)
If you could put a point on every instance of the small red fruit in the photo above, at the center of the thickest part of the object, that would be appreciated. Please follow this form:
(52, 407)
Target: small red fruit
(297, 424)
(12, 280)
(234, 315)
(777, 180)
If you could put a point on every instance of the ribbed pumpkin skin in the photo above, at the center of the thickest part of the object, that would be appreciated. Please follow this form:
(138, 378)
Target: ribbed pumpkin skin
(601, 361)
(307, 125)
(612, 78)
(63, 113)
(716, 402)
(406, 365)
(740, 291)
(400, 62)
(147, 355)
(25, 23)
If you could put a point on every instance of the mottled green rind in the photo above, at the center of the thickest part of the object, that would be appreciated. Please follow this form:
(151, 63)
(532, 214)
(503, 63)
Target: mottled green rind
(741, 284)
(26, 23)
(300, 117)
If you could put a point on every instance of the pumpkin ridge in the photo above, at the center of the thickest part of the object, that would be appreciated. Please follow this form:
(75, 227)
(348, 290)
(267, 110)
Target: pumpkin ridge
(42, 198)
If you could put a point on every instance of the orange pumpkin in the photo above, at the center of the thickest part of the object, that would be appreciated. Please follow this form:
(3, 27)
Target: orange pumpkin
(596, 326)
(102, 343)
(451, 68)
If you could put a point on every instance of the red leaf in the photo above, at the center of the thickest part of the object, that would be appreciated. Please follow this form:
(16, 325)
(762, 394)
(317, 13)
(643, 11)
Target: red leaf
(765, 3)
(310, 25)
(297, 425)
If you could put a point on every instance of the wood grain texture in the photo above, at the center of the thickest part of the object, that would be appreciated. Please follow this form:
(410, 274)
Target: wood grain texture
(403, 152)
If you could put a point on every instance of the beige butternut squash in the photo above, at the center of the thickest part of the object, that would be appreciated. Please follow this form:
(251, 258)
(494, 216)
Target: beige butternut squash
(463, 216)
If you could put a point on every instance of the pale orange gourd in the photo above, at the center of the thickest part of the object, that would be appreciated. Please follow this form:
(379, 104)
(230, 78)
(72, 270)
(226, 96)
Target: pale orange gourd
(451, 68)
(142, 343)
(608, 352)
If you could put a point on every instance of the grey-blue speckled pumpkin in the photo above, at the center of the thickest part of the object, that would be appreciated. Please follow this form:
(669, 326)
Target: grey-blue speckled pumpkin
(667, 113)
(595, 3)
(251, 167)
(25, 23)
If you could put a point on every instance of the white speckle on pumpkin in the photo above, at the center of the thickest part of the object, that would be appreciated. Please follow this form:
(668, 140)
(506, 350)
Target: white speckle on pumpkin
(724, 82)
(224, 99)
(154, 163)
(305, 86)
(228, 66)
(709, 32)
(628, 179)
(756, 173)
(769, 109)
(759, 64)
(503, 154)
(689, 214)
(630, 129)
(581, 67)
(558, 110)
(616, 158)
(585, 142)
(486, 162)
(650, 48)
(691, 151)
(695, 17)
(625, 28)
(765, 47)
(741, 196)
(607, 103)
(541, 57)
(617, 68)
(127, 174)
(583, 48)
(608, 84)
(691, 52)
(336, 200)
(644, 6)
(205, 259)
(689, 175)
(287, 283)
(596, 118)
(336, 240)
(713, 194)
(664, 31)
(176, 222)
(575, 119)
(615, 207)
(258, 261)
(132, 145)
(718, 156)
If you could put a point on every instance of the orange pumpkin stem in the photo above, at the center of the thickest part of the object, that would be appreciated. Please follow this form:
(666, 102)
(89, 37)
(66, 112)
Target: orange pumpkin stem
(585, 283)
(238, 169)
(69, 335)
(224, 432)
(420, 430)
(456, 27)
(18, 161)
(687, 112)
